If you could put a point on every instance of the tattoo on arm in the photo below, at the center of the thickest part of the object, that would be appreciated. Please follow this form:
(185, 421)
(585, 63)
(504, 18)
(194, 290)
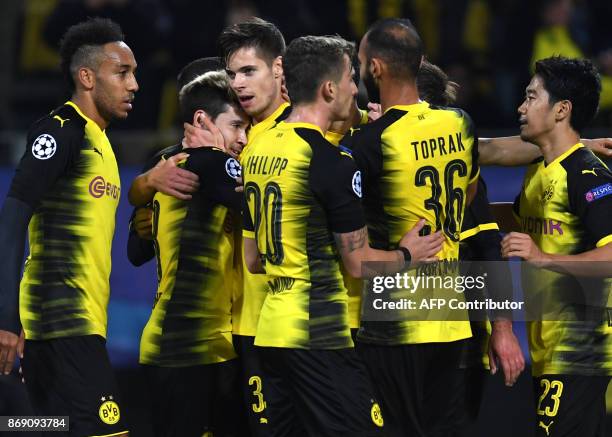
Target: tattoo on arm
(352, 241)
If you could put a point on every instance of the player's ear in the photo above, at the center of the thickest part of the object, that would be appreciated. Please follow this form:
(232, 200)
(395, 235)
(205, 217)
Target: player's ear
(86, 77)
(375, 67)
(277, 67)
(563, 110)
(198, 118)
(328, 90)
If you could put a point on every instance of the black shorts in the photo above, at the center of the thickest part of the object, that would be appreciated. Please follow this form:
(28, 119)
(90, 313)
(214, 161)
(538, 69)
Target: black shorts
(73, 377)
(319, 393)
(419, 386)
(190, 401)
(252, 386)
(570, 405)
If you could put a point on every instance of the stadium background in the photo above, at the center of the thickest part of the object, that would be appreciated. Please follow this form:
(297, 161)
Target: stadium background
(488, 47)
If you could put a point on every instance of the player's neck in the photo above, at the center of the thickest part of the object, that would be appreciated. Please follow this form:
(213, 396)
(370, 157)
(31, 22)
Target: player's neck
(557, 142)
(314, 113)
(88, 107)
(394, 92)
(270, 109)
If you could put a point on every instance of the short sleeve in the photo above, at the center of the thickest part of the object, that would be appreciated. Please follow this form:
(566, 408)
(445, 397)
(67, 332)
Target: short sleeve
(340, 195)
(590, 197)
(217, 172)
(53, 145)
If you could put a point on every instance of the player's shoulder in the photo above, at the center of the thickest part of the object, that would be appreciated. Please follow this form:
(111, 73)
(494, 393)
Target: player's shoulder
(63, 123)
(322, 149)
(583, 161)
(203, 160)
(451, 113)
(370, 133)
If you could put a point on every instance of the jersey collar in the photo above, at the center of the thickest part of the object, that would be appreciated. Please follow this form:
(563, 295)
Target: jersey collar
(565, 154)
(298, 124)
(267, 122)
(419, 107)
(87, 119)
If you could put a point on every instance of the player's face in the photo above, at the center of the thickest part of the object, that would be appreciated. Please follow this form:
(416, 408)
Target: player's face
(253, 80)
(347, 90)
(366, 74)
(115, 83)
(537, 117)
(233, 125)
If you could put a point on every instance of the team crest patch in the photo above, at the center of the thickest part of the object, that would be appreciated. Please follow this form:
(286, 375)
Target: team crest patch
(233, 169)
(376, 415)
(44, 147)
(548, 193)
(357, 183)
(109, 411)
(598, 192)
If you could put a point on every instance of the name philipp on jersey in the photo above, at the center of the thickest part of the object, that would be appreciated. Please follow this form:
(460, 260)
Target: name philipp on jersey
(439, 146)
(266, 165)
(540, 226)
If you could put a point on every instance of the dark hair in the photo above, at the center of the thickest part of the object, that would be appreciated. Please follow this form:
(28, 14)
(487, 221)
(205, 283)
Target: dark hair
(576, 80)
(82, 44)
(256, 33)
(434, 86)
(310, 60)
(197, 68)
(397, 43)
(210, 92)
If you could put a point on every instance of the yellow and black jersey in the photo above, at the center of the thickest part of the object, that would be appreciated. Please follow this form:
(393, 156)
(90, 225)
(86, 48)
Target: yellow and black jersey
(194, 242)
(299, 190)
(353, 285)
(566, 208)
(251, 290)
(68, 175)
(416, 162)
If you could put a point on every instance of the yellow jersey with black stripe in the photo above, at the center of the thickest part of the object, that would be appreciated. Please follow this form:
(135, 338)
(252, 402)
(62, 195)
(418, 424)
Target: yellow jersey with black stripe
(194, 243)
(416, 162)
(566, 208)
(299, 190)
(251, 290)
(68, 175)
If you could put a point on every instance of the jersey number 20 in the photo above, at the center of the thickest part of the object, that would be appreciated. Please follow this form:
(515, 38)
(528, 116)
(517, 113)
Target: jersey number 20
(267, 211)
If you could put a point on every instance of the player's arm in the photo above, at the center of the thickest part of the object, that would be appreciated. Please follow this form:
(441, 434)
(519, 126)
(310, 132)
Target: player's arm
(218, 173)
(340, 196)
(140, 240)
(512, 151)
(590, 199)
(33, 176)
(355, 249)
(165, 177)
(252, 256)
(504, 216)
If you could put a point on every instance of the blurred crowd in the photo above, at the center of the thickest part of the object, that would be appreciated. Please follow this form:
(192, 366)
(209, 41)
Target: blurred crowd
(487, 46)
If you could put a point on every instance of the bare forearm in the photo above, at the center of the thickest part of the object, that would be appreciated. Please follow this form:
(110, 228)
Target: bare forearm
(594, 263)
(141, 192)
(506, 151)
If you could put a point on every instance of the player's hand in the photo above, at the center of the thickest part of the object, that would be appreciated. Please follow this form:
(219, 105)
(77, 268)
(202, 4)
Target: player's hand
(422, 248)
(374, 111)
(143, 222)
(521, 245)
(8, 351)
(505, 351)
(240, 187)
(166, 177)
(600, 146)
(205, 135)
